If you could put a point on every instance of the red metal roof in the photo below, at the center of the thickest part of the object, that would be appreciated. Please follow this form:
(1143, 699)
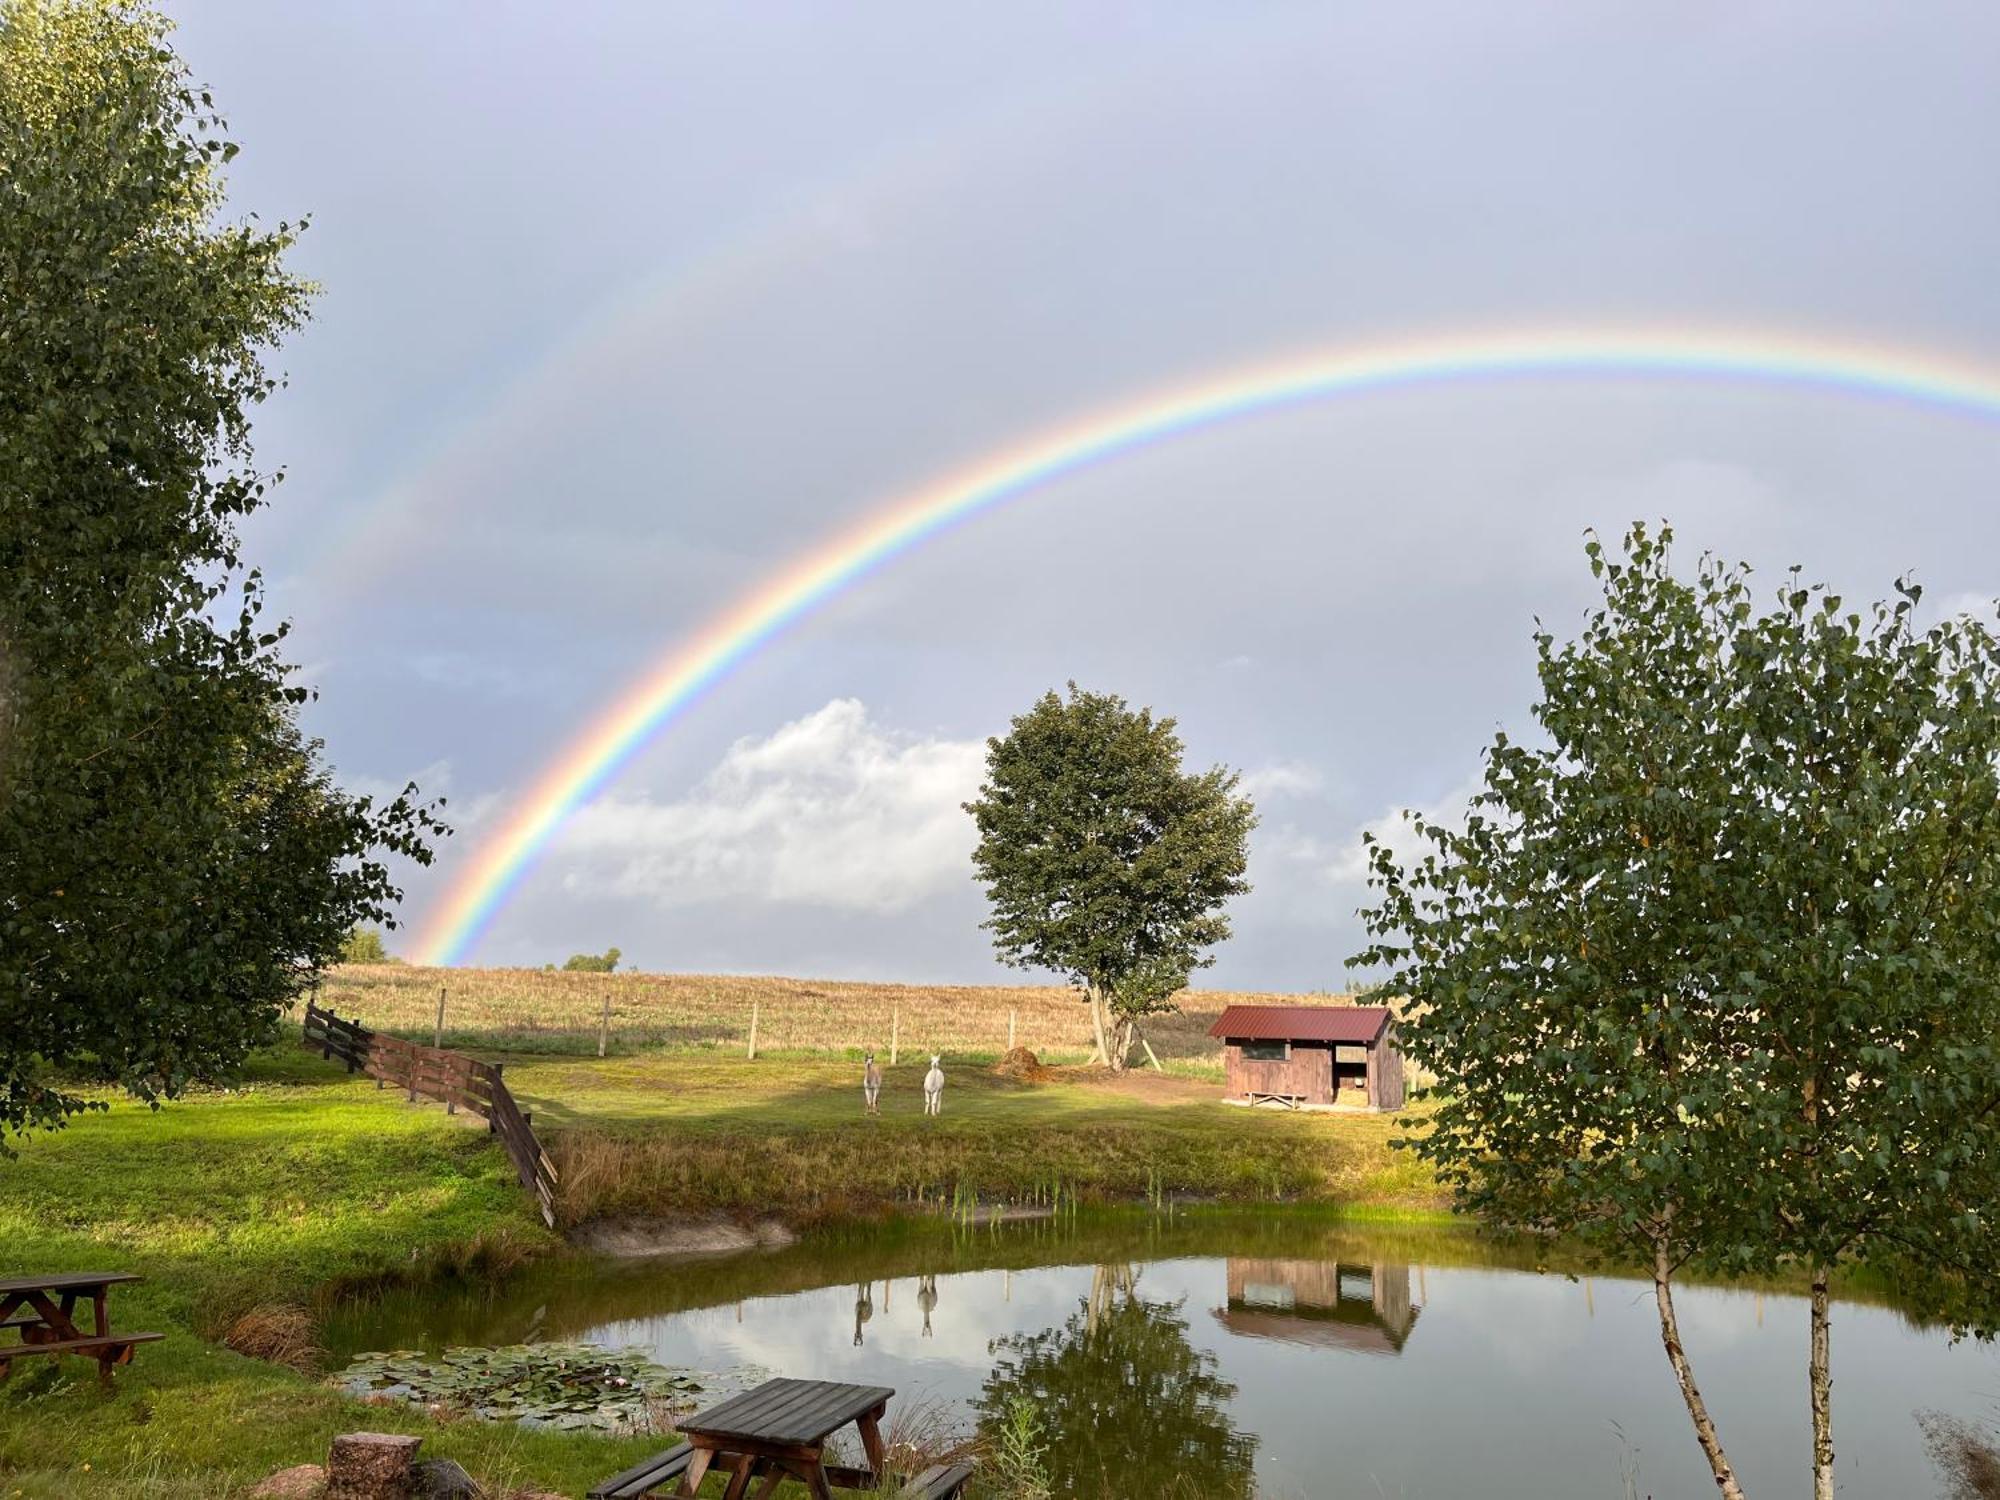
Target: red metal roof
(1302, 1023)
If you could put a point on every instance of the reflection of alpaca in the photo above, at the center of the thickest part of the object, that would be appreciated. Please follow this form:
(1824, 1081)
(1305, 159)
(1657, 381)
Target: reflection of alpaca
(934, 1088)
(871, 1086)
(864, 1307)
(927, 1299)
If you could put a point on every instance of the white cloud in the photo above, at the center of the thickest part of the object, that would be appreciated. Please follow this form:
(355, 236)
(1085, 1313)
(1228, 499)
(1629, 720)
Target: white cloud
(1975, 606)
(831, 810)
(1285, 779)
(1345, 862)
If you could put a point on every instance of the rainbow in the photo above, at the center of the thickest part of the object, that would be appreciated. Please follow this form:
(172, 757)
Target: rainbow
(691, 667)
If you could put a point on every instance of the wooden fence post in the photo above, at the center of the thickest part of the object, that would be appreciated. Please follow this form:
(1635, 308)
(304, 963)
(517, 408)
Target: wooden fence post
(895, 1023)
(604, 1022)
(753, 1031)
(437, 1032)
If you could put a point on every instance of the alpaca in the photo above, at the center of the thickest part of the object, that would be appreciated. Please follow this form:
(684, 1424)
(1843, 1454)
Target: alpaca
(934, 1087)
(871, 1086)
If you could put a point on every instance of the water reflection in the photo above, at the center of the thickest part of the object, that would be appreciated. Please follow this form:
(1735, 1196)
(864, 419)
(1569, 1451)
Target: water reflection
(1193, 1347)
(864, 1308)
(1364, 1309)
(1127, 1400)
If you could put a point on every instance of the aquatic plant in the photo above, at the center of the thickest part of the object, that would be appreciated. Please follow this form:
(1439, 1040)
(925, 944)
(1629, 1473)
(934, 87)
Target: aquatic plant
(541, 1385)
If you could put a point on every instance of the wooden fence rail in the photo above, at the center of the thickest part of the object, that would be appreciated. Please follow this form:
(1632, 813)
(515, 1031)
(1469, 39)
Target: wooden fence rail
(440, 1073)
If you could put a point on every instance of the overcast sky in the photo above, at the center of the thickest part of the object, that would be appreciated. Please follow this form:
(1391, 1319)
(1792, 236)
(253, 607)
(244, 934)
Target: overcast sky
(626, 305)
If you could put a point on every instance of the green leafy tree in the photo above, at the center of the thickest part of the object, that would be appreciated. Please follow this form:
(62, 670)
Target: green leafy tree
(592, 963)
(1104, 860)
(175, 864)
(1712, 975)
(363, 945)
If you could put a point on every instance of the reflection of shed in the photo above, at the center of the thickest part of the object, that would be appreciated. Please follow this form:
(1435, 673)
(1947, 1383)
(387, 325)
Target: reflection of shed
(1312, 1055)
(1330, 1304)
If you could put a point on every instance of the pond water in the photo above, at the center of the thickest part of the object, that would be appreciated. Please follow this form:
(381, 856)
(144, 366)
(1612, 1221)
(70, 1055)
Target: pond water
(1306, 1357)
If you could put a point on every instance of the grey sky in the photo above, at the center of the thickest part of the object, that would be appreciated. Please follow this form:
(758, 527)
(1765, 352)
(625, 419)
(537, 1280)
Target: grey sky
(627, 304)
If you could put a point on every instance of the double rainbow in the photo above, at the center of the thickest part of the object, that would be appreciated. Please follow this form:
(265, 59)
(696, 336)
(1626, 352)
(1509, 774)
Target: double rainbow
(689, 668)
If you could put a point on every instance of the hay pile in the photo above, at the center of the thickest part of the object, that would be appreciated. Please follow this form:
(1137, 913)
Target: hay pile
(1022, 1064)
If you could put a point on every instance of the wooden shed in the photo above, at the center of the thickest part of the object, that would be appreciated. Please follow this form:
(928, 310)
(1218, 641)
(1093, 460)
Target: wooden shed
(1312, 1055)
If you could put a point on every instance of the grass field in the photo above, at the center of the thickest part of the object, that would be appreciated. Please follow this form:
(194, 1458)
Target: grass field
(529, 1010)
(264, 1199)
(654, 1134)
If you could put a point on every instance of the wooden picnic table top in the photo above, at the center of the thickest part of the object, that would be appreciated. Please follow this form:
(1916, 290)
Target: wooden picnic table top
(66, 1281)
(787, 1412)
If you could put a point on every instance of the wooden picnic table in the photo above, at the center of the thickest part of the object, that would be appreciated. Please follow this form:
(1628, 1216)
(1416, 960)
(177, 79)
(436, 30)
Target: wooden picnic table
(43, 1310)
(781, 1428)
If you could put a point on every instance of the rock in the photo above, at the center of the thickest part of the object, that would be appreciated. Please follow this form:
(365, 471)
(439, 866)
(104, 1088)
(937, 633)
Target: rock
(443, 1479)
(371, 1466)
(713, 1234)
(306, 1482)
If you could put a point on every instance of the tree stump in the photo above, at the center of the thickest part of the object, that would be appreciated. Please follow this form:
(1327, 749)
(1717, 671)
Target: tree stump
(371, 1466)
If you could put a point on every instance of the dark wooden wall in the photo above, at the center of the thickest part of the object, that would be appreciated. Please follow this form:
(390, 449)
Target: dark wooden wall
(1307, 1074)
(1311, 1075)
(1385, 1072)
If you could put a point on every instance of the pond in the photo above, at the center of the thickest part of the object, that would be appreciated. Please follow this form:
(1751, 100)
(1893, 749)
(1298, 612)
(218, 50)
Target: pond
(1307, 1356)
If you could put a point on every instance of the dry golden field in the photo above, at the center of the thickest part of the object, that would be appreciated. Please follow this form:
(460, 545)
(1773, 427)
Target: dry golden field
(532, 1010)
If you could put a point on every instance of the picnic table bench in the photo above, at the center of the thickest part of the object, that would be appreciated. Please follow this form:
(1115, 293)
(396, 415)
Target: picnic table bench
(43, 1310)
(776, 1431)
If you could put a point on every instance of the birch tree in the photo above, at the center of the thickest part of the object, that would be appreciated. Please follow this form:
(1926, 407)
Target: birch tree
(1710, 975)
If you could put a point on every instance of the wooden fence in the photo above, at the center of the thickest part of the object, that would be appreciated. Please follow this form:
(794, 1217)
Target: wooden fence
(440, 1073)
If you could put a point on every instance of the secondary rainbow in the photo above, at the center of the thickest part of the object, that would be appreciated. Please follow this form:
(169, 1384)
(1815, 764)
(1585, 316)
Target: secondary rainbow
(692, 666)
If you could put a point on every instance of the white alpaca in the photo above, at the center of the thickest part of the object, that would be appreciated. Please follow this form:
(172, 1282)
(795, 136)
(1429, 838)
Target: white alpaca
(934, 1088)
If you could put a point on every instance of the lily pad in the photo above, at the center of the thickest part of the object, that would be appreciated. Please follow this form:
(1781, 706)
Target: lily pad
(566, 1386)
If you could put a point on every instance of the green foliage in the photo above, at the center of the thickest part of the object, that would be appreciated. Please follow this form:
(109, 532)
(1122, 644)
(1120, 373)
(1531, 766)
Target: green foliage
(1104, 860)
(1714, 974)
(1018, 1457)
(174, 862)
(592, 963)
(363, 945)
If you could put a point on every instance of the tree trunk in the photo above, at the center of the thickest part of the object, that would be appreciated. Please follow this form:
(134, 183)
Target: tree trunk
(1670, 1335)
(1121, 1041)
(1092, 995)
(1822, 1386)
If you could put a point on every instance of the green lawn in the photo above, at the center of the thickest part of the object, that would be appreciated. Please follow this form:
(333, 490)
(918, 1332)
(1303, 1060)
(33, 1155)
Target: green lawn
(669, 1133)
(301, 1184)
(269, 1194)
